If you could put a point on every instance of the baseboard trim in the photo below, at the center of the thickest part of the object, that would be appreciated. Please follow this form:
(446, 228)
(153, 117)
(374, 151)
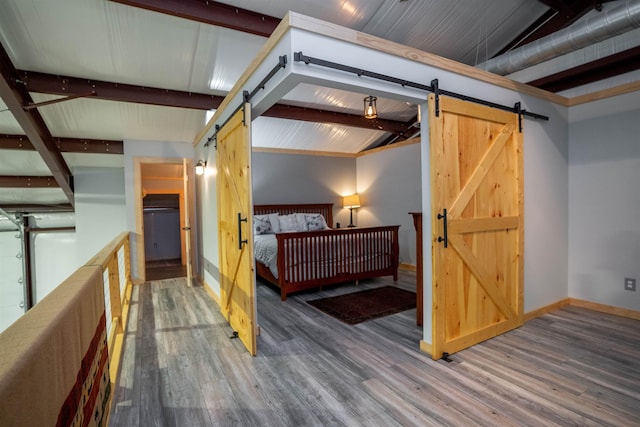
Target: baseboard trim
(575, 302)
(603, 308)
(409, 267)
(546, 309)
(425, 347)
(209, 291)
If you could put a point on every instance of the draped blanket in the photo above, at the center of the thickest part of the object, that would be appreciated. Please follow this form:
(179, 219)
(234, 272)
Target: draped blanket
(54, 362)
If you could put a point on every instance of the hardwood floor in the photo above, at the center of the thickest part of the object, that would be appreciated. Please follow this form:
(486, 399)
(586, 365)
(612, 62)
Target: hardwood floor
(165, 269)
(180, 368)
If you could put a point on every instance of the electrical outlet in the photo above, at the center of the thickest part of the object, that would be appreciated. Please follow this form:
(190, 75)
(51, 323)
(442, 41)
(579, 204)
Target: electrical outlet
(629, 284)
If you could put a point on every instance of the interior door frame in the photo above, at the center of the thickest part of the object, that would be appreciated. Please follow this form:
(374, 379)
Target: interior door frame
(139, 208)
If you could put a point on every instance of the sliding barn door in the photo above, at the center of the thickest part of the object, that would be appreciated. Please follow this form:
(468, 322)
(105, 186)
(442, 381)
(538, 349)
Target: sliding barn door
(235, 235)
(477, 178)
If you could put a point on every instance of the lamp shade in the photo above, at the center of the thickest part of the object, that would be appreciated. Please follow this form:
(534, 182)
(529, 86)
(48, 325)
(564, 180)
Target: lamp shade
(200, 167)
(351, 202)
(370, 108)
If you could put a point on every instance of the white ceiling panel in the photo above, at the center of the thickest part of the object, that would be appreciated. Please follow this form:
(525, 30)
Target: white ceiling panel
(348, 13)
(22, 162)
(268, 132)
(138, 46)
(481, 27)
(8, 123)
(98, 119)
(40, 196)
(92, 160)
(310, 96)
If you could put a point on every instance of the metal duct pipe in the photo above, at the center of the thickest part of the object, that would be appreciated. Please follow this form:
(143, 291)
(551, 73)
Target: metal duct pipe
(611, 22)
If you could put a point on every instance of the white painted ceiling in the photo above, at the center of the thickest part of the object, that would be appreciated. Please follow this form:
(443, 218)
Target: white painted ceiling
(113, 42)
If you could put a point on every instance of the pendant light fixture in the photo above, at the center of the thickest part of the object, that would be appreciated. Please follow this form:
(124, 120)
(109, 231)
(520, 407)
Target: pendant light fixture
(370, 109)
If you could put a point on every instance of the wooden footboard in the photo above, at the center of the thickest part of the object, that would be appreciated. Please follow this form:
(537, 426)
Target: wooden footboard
(311, 259)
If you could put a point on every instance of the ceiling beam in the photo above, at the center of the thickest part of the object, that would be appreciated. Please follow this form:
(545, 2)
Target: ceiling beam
(111, 91)
(65, 145)
(70, 86)
(33, 208)
(211, 12)
(16, 97)
(560, 15)
(291, 112)
(27, 182)
(609, 66)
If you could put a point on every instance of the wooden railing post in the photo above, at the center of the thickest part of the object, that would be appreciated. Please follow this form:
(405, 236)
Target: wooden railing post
(114, 292)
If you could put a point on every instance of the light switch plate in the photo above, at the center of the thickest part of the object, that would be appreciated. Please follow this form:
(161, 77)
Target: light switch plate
(629, 284)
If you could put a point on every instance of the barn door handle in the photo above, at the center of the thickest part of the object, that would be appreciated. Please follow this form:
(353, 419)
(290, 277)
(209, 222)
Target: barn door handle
(240, 221)
(443, 216)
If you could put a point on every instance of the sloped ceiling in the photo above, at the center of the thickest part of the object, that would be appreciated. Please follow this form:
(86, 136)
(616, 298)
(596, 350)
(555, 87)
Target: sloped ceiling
(152, 69)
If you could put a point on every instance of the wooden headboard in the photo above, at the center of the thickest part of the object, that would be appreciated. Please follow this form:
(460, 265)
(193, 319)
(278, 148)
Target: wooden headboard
(326, 209)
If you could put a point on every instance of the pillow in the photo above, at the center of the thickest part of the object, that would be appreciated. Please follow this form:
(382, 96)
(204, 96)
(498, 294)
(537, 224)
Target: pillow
(288, 223)
(302, 222)
(262, 225)
(315, 222)
(275, 224)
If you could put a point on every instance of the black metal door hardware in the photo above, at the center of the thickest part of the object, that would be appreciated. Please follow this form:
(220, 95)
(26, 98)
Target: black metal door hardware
(443, 216)
(240, 221)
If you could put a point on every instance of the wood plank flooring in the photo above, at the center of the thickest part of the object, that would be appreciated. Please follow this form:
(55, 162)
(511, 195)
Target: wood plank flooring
(180, 368)
(165, 269)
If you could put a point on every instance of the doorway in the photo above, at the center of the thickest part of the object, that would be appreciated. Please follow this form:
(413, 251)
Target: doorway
(163, 192)
(162, 247)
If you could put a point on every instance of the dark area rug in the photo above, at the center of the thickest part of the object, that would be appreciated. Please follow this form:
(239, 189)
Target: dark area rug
(365, 305)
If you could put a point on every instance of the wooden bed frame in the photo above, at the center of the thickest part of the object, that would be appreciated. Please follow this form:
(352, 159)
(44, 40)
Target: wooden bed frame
(293, 277)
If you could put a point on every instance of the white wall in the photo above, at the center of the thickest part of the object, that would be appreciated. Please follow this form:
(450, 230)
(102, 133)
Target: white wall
(100, 209)
(546, 191)
(389, 184)
(604, 205)
(296, 178)
(207, 222)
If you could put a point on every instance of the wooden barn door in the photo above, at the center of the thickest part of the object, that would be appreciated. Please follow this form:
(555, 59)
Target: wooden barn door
(477, 177)
(235, 231)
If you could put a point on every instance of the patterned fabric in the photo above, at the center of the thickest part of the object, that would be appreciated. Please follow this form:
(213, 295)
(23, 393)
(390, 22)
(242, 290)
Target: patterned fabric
(275, 224)
(262, 225)
(288, 223)
(88, 399)
(315, 222)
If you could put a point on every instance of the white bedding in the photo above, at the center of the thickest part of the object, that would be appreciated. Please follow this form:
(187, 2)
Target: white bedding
(265, 247)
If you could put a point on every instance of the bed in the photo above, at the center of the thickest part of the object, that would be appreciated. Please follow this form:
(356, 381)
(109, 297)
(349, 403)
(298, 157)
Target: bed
(299, 260)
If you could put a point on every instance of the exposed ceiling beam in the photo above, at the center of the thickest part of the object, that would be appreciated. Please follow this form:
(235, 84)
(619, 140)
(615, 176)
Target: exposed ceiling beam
(560, 15)
(16, 98)
(33, 208)
(284, 111)
(211, 12)
(65, 145)
(111, 91)
(70, 86)
(28, 182)
(610, 66)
